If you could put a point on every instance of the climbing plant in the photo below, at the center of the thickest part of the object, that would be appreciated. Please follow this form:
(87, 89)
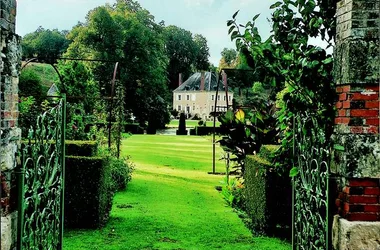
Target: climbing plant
(288, 59)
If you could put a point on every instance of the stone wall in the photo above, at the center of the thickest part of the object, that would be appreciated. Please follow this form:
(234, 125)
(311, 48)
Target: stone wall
(10, 58)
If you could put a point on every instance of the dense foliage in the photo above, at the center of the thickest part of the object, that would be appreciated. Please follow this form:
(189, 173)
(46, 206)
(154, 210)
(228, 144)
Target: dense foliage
(45, 44)
(286, 59)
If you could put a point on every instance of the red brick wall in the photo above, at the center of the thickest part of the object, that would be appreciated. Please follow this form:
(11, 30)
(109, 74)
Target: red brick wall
(360, 200)
(358, 108)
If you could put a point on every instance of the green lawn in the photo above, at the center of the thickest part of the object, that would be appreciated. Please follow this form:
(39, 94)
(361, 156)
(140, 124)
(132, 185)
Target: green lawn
(191, 123)
(171, 203)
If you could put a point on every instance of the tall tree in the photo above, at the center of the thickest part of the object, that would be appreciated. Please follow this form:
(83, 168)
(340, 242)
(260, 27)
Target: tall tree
(181, 51)
(202, 53)
(187, 53)
(128, 34)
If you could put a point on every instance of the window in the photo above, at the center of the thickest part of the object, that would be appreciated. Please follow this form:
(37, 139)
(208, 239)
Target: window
(179, 97)
(193, 108)
(212, 97)
(212, 108)
(179, 107)
(224, 98)
(188, 97)
(187, 109)
(229, 98)
(218, 97)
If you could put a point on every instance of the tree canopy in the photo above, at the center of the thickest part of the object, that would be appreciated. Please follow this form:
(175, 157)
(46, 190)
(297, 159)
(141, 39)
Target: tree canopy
(44, 43)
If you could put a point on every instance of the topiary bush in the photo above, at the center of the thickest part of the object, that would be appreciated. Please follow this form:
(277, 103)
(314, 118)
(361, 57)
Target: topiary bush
(89, 191)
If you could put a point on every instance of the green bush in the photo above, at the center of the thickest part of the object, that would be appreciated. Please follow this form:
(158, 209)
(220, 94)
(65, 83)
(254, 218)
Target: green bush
(88, 192)
(121, 172)
(267, 195)
(81, 148)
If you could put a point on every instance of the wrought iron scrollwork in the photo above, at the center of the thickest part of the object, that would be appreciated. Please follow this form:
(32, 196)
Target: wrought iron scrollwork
(42, 182)
(310, 187)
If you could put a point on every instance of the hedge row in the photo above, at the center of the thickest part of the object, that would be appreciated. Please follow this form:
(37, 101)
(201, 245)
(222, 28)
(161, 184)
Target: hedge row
(88, 192)
(204, 130)
(81, 148)
(267, 196)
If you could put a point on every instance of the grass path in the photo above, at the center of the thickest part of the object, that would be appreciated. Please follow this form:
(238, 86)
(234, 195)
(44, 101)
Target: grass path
(171, 203)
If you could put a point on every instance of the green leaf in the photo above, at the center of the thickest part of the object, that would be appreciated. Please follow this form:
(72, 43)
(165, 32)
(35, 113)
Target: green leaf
(275, 5)
(234, 15)
(229, 22)
(255, 17)
(327, 60)
(293, 172)
(339, 147)
(247, 132)
(231, 29)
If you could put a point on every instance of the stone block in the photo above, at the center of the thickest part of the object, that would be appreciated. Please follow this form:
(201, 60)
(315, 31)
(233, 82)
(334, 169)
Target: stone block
(358, 235)
(361, 156)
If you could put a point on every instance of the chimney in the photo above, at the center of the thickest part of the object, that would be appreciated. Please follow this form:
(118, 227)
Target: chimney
(180, 79)
(224, 78)
(202, 87)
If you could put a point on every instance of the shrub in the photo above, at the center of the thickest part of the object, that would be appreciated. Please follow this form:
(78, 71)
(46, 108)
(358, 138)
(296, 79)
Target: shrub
(81, 148)
(88, 192)
(267, 195)
(121, 172)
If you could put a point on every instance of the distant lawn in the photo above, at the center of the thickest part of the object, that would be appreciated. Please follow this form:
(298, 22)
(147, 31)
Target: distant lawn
(171, 203)
(191, 123)
(46, 72)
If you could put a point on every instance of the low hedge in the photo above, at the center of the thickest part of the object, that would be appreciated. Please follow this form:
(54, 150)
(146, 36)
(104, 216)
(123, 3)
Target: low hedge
(81, 148)
(267, 196)
(133, 128)
(88, 192)
(205, 130)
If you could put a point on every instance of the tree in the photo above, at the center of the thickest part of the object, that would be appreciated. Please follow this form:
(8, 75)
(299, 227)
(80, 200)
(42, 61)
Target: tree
(182, 52)
(202, 53)
(45, 44)
(229, 58)
(126, 33)
(187, 53)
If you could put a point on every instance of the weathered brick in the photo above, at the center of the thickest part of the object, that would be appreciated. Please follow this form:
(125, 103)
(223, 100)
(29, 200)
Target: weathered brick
(363, 182)
(362, 216)
(342, 112)
(365, 96)
(346, 104)
(342, 97)
(356, 130)
(372, 191)
(372, 208)
(372, 121)
(364, 113)
(342, 120)
(372, 104)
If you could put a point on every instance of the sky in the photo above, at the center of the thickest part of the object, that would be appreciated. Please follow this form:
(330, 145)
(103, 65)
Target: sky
(205, 17)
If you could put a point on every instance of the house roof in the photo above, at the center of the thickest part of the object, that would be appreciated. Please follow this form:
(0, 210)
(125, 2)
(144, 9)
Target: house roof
(193, 83)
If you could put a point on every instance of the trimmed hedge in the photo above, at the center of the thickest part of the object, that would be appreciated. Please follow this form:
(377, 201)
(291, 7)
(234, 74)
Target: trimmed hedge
(88, 192)
(204, 130)
(267, 196)
(81, 148)
(133, 128)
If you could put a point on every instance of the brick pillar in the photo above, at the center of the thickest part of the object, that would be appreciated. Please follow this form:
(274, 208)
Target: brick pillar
(357, 167)
(10, 56)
